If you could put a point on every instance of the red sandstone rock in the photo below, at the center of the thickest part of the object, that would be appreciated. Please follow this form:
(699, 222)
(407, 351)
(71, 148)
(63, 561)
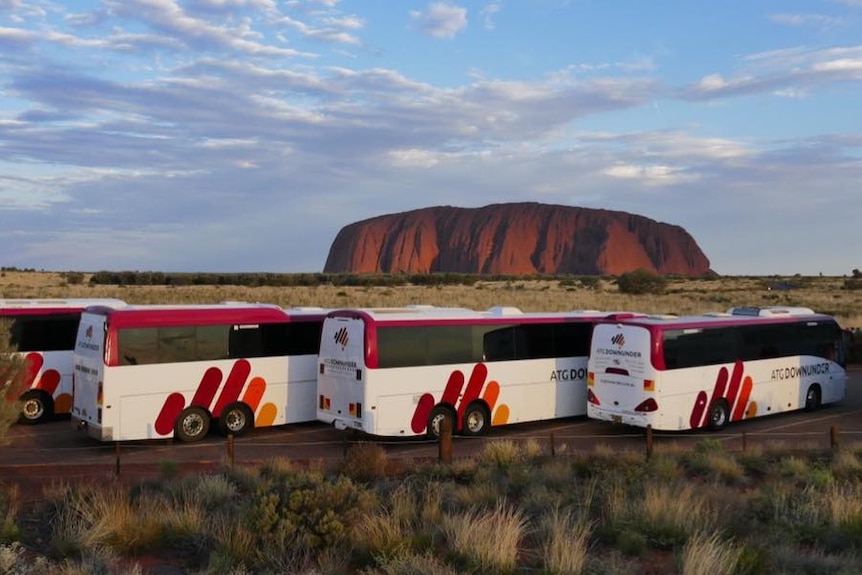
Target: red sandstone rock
(517, 238)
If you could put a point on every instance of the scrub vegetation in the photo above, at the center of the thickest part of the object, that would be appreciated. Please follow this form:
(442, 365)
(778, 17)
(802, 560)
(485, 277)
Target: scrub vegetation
(515, 508)
(642, 292)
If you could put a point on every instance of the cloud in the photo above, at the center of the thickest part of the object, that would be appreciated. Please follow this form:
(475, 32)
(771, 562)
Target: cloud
(797, 69)
(441, 20)
(819, 21)
(488, 12)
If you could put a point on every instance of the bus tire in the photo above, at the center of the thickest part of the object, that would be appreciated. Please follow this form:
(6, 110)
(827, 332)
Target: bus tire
(436, 418)
(718, 415)
(235, 419)
(192, 425)
(477, 420)
(813, 398)
(36, 406)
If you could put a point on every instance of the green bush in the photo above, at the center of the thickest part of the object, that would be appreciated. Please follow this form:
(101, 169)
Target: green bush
(641, 281)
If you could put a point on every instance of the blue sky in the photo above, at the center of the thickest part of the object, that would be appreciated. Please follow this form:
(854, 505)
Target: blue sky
(242, 135)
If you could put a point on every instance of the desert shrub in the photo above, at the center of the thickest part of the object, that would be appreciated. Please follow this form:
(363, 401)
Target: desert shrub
(413, 564)
(641, 281)
(9, 530)
(14, 561)
(365, 462)
(311, 508)
(406, 524)
(12, 380)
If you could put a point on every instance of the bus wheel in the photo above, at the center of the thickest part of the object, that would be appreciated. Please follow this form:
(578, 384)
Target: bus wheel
(235, 419)
(718, 415)
(476, 420)
(439, 414)
(812, 398)
(36, 406)
(192, 425)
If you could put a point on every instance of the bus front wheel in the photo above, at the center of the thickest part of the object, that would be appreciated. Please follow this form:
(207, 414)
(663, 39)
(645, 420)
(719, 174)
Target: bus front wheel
(36, 406)
(192, 425)
(235, 419)
(812, 398)
(438, 415)
(476, 420)
(719, 415)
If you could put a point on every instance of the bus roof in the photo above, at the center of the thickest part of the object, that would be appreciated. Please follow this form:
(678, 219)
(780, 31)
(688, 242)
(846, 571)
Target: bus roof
(164, 315)
(734, 316)
(47, 306)
(421, 314)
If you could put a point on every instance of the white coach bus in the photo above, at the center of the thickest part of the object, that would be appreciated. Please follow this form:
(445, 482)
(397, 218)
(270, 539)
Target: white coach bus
(402, 371)
(155, 371)
(704, 371)
(43, 332)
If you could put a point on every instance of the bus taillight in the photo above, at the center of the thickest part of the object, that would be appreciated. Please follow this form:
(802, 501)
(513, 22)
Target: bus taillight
(323, 402)
(591, 397)
(355, 410)
(647, 406)
(591, 378)
(99, 395)
(649, 385)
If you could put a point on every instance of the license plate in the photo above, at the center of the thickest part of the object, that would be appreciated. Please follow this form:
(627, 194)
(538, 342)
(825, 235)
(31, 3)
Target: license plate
(617, 418)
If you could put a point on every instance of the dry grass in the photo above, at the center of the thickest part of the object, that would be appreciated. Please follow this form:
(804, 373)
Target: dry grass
(565, 541)
(487, 539)
(684, 295)
(708, 554)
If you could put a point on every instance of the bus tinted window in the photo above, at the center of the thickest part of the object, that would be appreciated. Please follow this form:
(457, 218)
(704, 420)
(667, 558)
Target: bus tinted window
(693, 347)
(499, 344)
(401, 346)
(138, 346)
(710, 346)
(404, 346)
(572, 339)
(303, 338)
(35, 333)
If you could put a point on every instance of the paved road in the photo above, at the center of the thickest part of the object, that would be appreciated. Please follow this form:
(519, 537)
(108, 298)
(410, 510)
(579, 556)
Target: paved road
(36, 447)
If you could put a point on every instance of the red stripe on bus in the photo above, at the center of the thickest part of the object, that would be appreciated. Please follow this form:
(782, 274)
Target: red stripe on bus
(720, 385)
(49, 381)
(733, 390)
(474, 387)
(491, 394)
(233, 385)
(33, 363)
(453, 387)
(207, 387)
(172, 407)
(254, 393)
(739, 411)
(421, 413)
(699, 410)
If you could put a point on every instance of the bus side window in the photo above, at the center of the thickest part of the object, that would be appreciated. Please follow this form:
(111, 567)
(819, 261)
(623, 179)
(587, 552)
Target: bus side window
(499, 344)
(769, 352)
(244, 342)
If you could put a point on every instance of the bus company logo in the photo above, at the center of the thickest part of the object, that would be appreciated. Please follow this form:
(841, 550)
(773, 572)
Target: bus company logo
(342, 337)
(456, 395)
(89, 332)
(238, 386)
(618, 340)
(730, 387)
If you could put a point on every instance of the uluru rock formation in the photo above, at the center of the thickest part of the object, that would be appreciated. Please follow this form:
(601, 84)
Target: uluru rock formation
(515, 238)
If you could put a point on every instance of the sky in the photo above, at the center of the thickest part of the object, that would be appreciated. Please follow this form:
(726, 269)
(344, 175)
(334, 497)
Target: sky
(242, 135)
